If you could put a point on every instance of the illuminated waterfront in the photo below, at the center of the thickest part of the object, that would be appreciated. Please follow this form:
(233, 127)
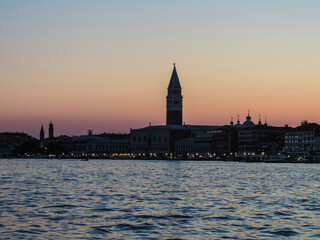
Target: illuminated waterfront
(118, 199)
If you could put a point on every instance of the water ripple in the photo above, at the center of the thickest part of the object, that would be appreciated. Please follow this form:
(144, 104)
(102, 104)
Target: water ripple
(112, 199)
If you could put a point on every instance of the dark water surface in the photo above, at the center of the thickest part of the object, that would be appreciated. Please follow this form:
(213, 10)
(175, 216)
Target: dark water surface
(117, 199)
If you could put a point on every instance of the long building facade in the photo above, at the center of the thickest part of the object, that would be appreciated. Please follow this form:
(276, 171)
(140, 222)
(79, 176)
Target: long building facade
(101, 144)
(157, 139)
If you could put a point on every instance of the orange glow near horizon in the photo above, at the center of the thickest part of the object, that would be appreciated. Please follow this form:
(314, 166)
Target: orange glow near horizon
(107, 67)
(113, 106)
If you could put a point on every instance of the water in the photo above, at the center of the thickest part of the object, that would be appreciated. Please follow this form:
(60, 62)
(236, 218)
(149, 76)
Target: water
(117, 199)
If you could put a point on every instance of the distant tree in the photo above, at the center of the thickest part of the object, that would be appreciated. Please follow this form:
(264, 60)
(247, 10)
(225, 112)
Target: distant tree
(31, 146)
(55, 148)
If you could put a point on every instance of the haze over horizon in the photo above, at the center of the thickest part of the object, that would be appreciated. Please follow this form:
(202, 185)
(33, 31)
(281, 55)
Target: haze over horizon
(106, 65)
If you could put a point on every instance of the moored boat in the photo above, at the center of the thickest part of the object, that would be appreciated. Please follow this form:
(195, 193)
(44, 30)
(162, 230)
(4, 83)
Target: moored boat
(275, 158)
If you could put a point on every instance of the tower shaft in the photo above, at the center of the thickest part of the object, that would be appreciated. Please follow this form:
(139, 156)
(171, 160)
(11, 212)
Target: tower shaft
(51, 130)
(41, 133)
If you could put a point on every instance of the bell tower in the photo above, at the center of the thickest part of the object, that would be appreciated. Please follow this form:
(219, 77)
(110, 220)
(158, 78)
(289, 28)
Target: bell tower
(174, 100)
(41, 133)
(51, 136)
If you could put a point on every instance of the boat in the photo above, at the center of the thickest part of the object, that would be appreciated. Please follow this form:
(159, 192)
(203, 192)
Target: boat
(275, 158)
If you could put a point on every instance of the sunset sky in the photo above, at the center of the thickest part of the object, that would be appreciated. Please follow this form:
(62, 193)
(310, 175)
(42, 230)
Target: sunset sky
(106, 65)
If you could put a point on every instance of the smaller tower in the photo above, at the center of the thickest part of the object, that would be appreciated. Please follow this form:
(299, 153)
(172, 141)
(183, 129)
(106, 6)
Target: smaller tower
(41, 133)
(231, 122)
(265, 122)
(42, 145)
(51, 130)
(238, 121)
(259, 123)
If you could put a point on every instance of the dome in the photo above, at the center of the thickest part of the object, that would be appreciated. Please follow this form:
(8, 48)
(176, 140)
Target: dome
(248, 122)
(231, 122)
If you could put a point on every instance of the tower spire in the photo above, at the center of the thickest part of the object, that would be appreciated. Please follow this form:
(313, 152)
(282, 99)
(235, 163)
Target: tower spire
(174, 80)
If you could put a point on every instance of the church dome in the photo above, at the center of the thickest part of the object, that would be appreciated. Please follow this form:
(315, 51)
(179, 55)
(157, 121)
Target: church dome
(248, 122)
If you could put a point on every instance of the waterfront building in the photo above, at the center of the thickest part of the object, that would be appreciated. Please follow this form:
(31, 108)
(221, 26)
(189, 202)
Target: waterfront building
(224, 141)
(261, 139)
(101, 144)
(303, 140)
(200, 141)
(186, 146)
(209, 140)
(201, 130)
(157, 139)
(174, 100)
(172, 139)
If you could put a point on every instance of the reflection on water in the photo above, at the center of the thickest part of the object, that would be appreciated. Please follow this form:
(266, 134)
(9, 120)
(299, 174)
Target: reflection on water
(101, 199)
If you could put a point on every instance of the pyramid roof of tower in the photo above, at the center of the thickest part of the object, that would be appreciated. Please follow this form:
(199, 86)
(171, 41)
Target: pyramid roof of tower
(174, 81)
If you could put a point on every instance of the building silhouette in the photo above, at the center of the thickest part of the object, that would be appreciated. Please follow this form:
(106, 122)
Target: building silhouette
(174, 100)
(51, 130)
(41, 133)
(101, 144)
(42, 144)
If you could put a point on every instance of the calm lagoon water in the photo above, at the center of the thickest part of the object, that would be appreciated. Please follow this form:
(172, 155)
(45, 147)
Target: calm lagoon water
(117, 199)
